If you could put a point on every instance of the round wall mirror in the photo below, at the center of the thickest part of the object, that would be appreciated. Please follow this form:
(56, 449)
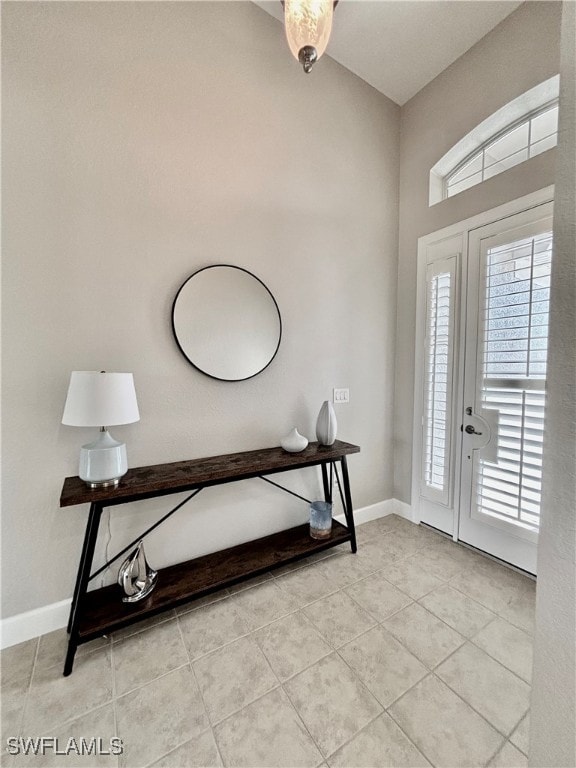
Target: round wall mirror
(226, 322)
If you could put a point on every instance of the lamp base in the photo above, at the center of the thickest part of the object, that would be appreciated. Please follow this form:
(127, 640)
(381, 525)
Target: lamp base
(103, 462)
(103, 484)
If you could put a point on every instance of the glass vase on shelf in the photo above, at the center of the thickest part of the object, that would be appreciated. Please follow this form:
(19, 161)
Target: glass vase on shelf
(320, 519)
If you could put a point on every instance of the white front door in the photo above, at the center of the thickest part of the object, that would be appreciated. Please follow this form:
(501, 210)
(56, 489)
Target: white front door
(508, 287)
(482, 334)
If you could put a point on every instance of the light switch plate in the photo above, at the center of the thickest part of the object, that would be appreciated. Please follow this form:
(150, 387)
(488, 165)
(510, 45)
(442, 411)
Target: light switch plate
(341, 395)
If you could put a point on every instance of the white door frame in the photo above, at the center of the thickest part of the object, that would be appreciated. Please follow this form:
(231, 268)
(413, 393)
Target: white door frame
(457, 232)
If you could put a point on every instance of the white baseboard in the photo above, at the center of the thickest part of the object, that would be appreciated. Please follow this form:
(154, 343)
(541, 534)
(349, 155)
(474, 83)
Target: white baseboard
(25, 626)
(372, 512)
(404, 510)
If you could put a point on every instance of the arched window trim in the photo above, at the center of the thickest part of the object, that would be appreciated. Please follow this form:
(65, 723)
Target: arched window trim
(494, 126)
(481, 150)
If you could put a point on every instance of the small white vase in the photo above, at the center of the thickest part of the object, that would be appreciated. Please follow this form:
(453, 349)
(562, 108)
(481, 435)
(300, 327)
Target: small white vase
(326, 425)
(294, 442)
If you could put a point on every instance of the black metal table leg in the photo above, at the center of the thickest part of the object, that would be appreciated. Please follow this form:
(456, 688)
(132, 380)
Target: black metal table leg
(82, 582)
(79, 576)
(348, 510)
(327, 487)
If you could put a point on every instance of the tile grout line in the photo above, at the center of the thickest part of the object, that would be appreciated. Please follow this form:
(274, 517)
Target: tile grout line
(219, 722)
(376, 618)
(501, 664)
(299, 565)
(315, 629)
(304, 669)
(165, 618)
(70, 720)
(225, 644)
(285, 592)
(406, 648)
(21, 717)
(159, 677)
(277, 687)
(304, 605)
(362, 683)
(351, 739)
(82, 655)
(334, 649)
(339, 589)
(355, 674)
(514, 731)
(458, 632)
(432, 673)
(114, 697)
(29, 686)
(386, 708)
(402, 558)
(246, 704)
(497, 752)
(301, 720)
(195, 676)
(191, 605)
(63, 723)
(496, 613)
(470, 639)
(391, 714)
(447, 584)
(330, 643)
(506, 621)
(504, 735)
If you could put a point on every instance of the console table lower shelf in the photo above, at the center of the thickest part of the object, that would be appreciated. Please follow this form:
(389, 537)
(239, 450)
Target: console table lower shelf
(105, 612)
(94, 613)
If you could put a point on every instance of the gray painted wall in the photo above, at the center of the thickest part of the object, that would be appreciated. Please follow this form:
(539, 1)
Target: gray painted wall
(142, 141)
(519, 53)
(553, 718)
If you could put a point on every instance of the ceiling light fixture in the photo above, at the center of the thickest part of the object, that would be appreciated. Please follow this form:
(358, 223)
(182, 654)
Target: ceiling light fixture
(308, 24)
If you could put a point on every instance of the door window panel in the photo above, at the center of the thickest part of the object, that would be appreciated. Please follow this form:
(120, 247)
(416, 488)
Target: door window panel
(437, 424)
(513, 369)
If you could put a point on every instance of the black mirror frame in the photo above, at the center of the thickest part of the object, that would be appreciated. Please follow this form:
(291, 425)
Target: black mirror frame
(240, 269)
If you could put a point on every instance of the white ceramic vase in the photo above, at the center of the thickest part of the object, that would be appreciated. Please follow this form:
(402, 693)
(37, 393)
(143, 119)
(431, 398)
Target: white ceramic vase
(326, 425)
(294, 442)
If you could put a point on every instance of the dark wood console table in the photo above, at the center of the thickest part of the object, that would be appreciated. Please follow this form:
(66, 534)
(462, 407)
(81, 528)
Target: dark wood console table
(94, 613)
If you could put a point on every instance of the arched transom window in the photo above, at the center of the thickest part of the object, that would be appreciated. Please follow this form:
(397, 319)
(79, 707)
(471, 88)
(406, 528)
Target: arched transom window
(522, 129)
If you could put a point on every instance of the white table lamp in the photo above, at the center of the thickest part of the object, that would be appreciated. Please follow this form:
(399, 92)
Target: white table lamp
(101, 399)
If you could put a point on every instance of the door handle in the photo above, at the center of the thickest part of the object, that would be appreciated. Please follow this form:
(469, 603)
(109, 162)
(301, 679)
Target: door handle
(470, 430)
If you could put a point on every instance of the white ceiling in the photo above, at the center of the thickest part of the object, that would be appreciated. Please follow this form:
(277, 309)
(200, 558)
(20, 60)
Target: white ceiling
(398, 46)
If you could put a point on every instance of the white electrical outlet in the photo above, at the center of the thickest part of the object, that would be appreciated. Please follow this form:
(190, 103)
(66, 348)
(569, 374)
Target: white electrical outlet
(341, 395)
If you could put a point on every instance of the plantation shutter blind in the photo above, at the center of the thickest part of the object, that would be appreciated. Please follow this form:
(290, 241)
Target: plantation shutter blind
(513, 353)
(438, 380)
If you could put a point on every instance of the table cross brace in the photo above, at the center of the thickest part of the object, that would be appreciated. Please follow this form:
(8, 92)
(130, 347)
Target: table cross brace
(143, 535)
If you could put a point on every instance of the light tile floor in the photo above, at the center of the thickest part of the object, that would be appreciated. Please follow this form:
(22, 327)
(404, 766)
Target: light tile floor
(413, 652)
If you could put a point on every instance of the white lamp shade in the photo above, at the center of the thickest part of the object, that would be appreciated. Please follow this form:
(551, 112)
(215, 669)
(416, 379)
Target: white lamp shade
(100, 399)
(308, 22)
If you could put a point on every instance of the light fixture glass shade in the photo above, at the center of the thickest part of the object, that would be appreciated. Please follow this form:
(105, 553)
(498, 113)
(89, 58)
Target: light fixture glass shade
(100, 399)
(308, 24)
